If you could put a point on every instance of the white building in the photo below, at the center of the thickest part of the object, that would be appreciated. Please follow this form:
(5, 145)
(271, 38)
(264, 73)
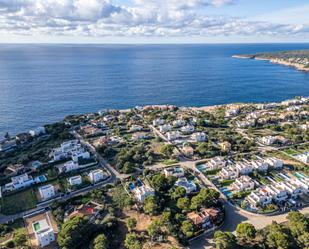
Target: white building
(199, 136)
(20, 181)
(244, 168)
(303, 183)
(268, 140)
(43, 232)
(80, 154)
(187, 129)
(278, 193)
(179, 123)
(165, 128)
(96, 175)
(37, 131)
(175, 171)
(216, 163)
(259, 197)
(135, 128)
(274, 162)
(230, 172)
(243, 183)
(139, 136)
(232, 112)
(158, 122)
(293, 190)
(47, 191)
(260, 165)
(303, 157)
(75, 180)
(173, 135)
(68, 166)
(189, 186)
(142, 192)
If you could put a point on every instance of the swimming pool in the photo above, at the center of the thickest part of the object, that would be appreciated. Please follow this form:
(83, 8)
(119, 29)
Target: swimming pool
(226, 191)
(299, 175)
(201, 167)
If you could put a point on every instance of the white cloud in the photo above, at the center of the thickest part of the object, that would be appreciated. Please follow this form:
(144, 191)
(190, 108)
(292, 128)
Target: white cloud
(156, 18)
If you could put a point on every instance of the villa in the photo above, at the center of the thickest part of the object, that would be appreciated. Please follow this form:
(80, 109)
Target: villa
(216, 163)
(179, 123)
(243, 183)
(20, 181)
(278, 193)
(198, 137)
(165, 128)
(187, 129)
(260, 165)
(75, 180)
(37, 131)
(259, 197)
(188, 150)
(173, 135)
(139, 136)
(47, 191)
(293, 190)
(142, 192)
(244, 168)
(70, 149)
(43, 231)
(268, 140)
(204, 218)
(158, 122)
(68, 166)
(189, 186)
(174, 171)
(230, 172)
(96, 175)
(135, 128)
(303, 157)
(274, 162)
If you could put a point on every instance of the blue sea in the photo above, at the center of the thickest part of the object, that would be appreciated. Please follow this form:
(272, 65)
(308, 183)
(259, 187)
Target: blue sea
(43, 83)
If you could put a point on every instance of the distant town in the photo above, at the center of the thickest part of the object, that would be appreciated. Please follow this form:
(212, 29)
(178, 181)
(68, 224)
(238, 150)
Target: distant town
(160, 176)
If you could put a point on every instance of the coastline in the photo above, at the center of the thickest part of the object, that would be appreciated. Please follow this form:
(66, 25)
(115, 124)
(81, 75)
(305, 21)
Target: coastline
(297, 66)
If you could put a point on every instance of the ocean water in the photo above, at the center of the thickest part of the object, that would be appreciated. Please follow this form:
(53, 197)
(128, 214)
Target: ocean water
(43, 83)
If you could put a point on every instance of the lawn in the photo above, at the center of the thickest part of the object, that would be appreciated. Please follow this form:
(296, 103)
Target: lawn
(225, 183)
(18, 202)
(291, 151)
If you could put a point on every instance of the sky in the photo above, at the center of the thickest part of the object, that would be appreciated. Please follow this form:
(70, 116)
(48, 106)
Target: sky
(154, 21)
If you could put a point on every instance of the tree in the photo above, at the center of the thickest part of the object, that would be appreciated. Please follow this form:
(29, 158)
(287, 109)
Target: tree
(183, 203)
(20, 237)
(132, 241)
(150, 204)
(298, 223)
(303, 240)
(167, 150)
(224, 240)
(74, 233)
(160, 183)
(246, 231)
(276, 236)
(187, 228)
(131, 223)
(154, 229)
(100, 242)
(178, 193)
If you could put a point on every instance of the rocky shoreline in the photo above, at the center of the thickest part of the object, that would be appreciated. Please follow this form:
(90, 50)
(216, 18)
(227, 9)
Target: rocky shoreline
(290, 62)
